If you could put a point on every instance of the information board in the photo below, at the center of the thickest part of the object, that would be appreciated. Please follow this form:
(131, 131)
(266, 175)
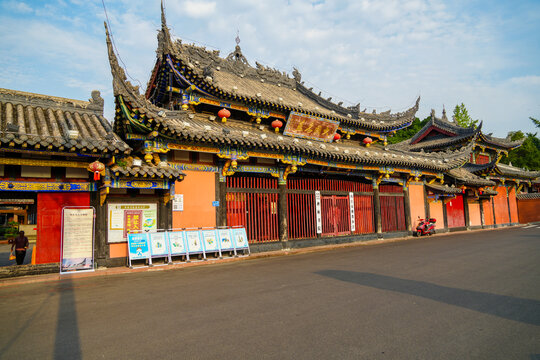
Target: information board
(77, 239)
(194, 242)
(159, 246)
(177, 244)
(138, 246)
(210, 241)
(123, 218)
(240, 238)
(225, 239)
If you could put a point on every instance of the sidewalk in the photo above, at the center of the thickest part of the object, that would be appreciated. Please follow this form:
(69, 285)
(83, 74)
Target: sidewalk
(125, 270)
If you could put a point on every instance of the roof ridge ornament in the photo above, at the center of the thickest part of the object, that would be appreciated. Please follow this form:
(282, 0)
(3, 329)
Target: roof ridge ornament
(237, 55)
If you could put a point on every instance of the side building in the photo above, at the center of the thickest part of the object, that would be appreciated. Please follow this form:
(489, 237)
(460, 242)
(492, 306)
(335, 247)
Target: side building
(57, 152)
(480, 193)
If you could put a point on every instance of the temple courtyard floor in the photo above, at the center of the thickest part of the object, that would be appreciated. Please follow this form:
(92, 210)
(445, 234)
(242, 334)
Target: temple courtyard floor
(469, 295)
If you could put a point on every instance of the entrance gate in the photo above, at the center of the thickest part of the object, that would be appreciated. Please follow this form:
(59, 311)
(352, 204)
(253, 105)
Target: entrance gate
(335, 215)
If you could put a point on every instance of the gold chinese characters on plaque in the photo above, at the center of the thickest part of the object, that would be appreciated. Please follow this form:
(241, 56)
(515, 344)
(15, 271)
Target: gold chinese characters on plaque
(310, 127)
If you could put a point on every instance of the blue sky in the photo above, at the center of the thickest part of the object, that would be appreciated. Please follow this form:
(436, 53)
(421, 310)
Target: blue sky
(382, 54)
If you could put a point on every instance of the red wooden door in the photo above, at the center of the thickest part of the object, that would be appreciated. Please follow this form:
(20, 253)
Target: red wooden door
(455, 214)
(335, 215)
(49, 222)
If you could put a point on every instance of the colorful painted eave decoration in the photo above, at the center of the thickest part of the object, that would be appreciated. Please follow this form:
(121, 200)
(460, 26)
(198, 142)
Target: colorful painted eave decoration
(310, 127)
(46, 186)
(140, 184)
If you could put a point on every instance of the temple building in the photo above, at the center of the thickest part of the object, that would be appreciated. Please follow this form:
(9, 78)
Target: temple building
(217, 142)
(482, 192)
(57, 152)
(261, 150)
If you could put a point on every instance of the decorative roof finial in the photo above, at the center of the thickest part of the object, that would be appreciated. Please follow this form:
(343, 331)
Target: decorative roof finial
(444, 113)
(237, 55)
(432, 114)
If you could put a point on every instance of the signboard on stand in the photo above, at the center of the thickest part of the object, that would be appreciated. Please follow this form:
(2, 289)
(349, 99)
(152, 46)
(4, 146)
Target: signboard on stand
(77, 239)
(138, 247)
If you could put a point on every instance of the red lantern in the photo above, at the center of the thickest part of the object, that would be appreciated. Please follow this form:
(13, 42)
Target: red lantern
(97, 168)
(277, 124)
(337, 137)
(368, 141)
(224, 114)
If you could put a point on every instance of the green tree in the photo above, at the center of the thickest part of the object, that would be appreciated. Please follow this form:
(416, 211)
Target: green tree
(408, 132)
(535, 121)
(462, 117)
(526, 156)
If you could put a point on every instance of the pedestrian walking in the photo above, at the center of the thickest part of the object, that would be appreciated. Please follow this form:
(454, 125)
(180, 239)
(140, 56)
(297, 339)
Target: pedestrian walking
(20, 243)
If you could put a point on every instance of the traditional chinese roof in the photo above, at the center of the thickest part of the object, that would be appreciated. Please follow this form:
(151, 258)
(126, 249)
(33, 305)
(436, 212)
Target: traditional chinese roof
(445, 189)
(512, 171)
(445, 134)
(186, 127)
(126, 168)
(480, 169)
(506, 143)
(35, 121)
(234, 79)
(467, 178)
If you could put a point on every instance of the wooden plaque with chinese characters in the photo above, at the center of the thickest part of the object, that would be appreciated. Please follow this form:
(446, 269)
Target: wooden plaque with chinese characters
(310, 127)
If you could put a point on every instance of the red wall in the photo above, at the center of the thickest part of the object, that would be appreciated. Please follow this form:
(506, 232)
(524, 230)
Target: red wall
(529, 210)
(454, 212)
(513, 205)
(501, 206)
(488, 212)
(49, 222)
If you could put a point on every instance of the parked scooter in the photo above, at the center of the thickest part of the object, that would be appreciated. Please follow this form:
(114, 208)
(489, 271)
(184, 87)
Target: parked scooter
(426, 227)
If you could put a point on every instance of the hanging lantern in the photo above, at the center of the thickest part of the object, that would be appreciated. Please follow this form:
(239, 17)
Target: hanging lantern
(277, 124)
(97, 168)
(258, 120)
(367, 141)
(224, 114)
(337, 137)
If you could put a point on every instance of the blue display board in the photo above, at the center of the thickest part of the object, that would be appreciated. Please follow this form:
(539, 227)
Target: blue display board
(194, 242)
(225, 239)
(210, 240)
(240, 238)
(159, 246)
(177, 243)
(138, 246)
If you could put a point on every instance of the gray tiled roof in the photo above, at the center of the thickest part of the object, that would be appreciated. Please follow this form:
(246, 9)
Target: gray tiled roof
(29, 120)
(510, 170)
(235, 77)
(444, 189)
(191, 128)
(468, 178)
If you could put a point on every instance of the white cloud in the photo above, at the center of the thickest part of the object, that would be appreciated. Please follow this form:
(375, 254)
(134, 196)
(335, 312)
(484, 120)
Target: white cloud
(199, 9)
(17, 6)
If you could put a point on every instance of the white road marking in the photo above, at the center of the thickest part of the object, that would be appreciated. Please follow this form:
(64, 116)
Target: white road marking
(530, 226)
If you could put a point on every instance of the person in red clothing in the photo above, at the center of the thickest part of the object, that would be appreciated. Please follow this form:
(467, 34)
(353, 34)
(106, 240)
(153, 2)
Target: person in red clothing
(20, 243)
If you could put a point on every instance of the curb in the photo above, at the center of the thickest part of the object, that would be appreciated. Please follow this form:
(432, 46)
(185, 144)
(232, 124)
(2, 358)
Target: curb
(32, 279)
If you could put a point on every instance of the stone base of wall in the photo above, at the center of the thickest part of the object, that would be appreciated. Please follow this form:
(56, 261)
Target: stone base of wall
(24, 270)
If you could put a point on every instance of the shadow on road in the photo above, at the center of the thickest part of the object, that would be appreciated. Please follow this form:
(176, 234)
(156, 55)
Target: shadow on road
(523, 310)
(67, 342)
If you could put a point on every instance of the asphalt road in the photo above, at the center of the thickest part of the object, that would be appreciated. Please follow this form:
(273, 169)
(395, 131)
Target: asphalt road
(462, 296)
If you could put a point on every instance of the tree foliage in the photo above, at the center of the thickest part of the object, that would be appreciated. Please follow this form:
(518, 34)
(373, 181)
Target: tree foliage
(462, 117)
(528, 154)
(535, 121)
(409, 132)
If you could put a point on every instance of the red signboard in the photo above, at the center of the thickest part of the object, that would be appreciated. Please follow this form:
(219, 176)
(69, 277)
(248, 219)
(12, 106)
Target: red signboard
(132, 221)
(311, 127)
